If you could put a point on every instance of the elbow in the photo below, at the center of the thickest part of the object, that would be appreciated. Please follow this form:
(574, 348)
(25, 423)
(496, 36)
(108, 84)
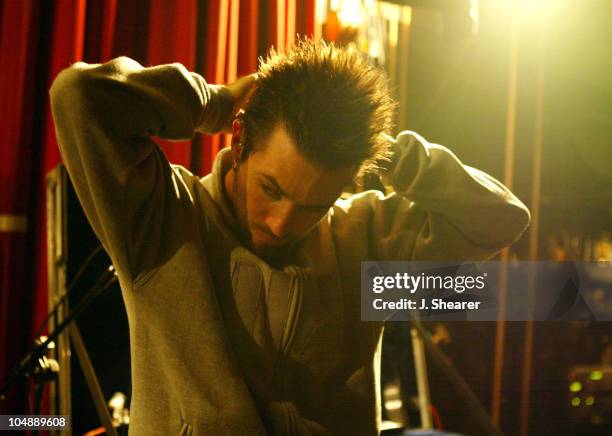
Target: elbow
(69, 104)
(519, 219)
(504, 226)
(66, 85)
(523, 217)
(81, 78)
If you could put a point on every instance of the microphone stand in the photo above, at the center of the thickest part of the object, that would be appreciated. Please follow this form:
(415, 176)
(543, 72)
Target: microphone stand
(35, 363)
(456, 380)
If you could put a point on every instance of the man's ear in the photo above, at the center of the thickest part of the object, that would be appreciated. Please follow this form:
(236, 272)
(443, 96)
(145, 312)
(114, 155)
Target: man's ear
(237, 143)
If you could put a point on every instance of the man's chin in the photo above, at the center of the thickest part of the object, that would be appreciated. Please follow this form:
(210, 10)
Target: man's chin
(273, 254)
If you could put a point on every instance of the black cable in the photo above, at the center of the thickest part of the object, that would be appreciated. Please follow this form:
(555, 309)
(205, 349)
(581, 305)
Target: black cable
(71, 287)
(26, 365)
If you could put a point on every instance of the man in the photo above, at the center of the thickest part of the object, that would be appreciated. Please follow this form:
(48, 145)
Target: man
(242, 288)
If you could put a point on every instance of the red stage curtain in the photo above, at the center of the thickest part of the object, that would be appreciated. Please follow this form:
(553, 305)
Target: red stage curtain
(214, 68)
(66, 47)
(172, 38)
(18, 38)
(247, 38)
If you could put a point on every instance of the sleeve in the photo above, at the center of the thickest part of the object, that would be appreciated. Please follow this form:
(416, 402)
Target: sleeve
(440, 210)
(105, 115)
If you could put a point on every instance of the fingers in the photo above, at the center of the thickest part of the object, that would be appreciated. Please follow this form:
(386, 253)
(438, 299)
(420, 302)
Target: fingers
(242, 89)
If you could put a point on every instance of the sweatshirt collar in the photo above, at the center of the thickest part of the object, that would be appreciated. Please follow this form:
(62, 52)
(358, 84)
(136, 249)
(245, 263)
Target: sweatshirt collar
(214, 184)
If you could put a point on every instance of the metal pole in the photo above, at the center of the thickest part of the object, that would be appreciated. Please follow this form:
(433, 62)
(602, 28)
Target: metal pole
(420, 366)
(500, 331)
(534, 233)
(91, 379)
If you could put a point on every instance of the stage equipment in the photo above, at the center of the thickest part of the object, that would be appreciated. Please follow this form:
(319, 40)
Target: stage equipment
(589, 399)
(101, 339)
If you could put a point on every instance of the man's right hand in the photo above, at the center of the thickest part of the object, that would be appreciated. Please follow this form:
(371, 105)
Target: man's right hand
(240, 91)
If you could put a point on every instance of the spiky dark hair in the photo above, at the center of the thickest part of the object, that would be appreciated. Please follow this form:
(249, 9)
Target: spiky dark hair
(334, 104)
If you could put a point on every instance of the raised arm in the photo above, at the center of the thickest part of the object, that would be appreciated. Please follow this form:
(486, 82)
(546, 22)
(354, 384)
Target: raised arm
(440, 210)
(105, 115)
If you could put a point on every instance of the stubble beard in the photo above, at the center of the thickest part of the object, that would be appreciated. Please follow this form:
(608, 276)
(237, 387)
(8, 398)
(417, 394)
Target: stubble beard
(273, 255)
(239, 204)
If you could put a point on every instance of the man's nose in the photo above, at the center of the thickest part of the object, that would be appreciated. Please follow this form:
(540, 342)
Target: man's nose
(280, 218)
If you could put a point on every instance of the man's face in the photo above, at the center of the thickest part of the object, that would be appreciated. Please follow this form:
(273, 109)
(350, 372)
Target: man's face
(279, 195)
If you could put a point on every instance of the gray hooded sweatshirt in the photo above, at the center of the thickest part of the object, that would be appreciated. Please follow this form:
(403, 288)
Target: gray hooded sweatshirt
(221, 342)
